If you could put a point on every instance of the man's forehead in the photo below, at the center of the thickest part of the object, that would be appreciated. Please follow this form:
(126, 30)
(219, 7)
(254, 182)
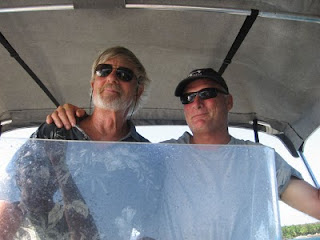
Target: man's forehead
(200, 84)
(120, 61)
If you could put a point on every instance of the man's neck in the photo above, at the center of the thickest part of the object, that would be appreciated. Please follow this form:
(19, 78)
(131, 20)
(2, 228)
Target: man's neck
(106, 125)
(209, 138)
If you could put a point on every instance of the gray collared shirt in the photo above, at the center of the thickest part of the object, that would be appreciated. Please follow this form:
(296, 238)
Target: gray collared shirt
(284, 171)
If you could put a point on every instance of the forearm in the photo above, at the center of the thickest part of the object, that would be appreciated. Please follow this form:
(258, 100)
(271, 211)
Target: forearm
(303, 197)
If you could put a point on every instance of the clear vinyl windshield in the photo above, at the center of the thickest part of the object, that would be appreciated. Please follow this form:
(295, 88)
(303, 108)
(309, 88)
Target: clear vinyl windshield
(64, 190)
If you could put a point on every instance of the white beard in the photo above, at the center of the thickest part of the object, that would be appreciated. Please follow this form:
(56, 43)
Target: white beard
(110, 103)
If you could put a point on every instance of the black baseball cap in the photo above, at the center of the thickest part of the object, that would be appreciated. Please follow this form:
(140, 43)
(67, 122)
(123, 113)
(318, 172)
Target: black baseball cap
(207, 73)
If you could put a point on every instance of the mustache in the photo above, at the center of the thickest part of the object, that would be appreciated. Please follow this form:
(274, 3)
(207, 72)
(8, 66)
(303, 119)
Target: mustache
(110, 86)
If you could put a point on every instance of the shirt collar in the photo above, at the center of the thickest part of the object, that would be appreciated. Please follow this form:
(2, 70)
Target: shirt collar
(133, 135)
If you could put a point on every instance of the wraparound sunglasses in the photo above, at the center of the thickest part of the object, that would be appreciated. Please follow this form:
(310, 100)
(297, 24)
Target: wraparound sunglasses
(203, 94)
(123, 73)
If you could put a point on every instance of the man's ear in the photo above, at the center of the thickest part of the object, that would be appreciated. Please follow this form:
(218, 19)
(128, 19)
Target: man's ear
(229, 102)
(140, 89)
(91, 90)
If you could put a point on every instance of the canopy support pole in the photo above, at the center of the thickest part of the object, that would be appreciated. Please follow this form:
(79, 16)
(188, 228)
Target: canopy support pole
(16, 56)
(305, 161)
(246, 26)
(255, 130)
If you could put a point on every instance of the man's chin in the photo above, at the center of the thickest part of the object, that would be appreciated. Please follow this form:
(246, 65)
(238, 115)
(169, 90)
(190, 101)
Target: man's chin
(198, 128)
(108, 104)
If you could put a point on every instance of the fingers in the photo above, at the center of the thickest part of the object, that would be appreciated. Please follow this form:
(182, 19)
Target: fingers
(54, 118)
(49, 119)
(80, 112)
(59, 118)
(65, 116)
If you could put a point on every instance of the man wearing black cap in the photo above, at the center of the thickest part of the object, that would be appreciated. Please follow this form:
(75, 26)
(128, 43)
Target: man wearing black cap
(207, 102)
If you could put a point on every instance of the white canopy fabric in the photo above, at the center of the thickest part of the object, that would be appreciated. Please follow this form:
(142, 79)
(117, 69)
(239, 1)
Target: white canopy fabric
(273, 77)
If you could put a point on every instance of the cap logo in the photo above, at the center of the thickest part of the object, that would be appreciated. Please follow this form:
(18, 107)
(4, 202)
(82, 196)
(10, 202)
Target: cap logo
(196, 73)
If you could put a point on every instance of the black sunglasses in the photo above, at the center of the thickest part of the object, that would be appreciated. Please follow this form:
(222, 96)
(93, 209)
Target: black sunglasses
(203, 94)
(123, 73)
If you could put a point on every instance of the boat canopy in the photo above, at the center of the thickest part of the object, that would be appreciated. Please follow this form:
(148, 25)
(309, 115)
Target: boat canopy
(267, 51)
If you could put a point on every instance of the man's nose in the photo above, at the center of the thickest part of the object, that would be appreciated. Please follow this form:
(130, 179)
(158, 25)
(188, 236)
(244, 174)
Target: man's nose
(198, 102)
(112, 77)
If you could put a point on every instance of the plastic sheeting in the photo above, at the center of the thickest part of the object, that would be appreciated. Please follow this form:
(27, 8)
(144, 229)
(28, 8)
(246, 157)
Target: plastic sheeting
(134, 190)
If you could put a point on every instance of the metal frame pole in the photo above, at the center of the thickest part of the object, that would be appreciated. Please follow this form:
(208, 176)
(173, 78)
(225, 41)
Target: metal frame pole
(274, 15)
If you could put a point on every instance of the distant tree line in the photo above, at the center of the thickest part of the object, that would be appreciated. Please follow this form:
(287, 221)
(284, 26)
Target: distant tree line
(289, 232)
